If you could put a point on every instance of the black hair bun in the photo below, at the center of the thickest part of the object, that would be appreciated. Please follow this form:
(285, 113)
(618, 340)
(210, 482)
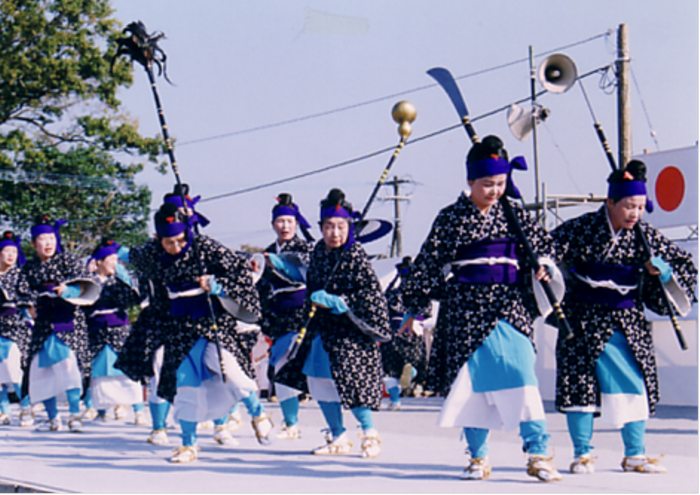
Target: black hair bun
(42, 220)
(489, 146)
(636, 168)
(168, 210)
(185, 189)
(336, 197)
(284, 199)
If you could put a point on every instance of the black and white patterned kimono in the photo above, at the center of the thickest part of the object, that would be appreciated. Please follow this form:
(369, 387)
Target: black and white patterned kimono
(12, 326)
(108, 322)
(55, 315)
(135, 358)
(407, 348)
(283, 299)
(350, 339)
(469, 312)
(180, 332)
(588, 240)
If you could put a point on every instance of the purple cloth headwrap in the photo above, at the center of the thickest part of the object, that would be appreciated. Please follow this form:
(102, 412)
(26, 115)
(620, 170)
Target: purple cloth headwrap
(10, 241)
(54, 229)
(340, 212)
(196, 217)
(105, 251)
(290, 211)
(495, 165)
(619, 190)
(171, 229)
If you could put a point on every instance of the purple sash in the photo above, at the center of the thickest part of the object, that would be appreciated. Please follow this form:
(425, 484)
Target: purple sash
(289, 299)
(117, 318)
(8, 310)
(626, 275)
(194, 306)
(484, 273)
(56, 310)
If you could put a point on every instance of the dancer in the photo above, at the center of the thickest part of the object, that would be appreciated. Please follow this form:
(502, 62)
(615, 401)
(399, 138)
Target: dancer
(56, 283)
(340, 353)
(142, 354)
(194, 346)
(108, 328)
(405, 349)
(482, 352)
(282, 293)
(14, 332)
(609, 368)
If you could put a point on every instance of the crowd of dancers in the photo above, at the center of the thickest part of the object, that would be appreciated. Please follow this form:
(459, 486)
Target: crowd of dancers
(68, 329)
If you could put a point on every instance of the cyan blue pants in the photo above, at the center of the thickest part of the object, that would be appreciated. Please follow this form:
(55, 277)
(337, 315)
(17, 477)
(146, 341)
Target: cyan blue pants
(533, 433)
(333, 414)
(580, 426)
(5, 398)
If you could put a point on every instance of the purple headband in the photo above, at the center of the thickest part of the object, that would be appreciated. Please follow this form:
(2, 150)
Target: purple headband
(196, 217)
(340, 212)
(496, 165)
(171, 229)
(617, 190)
(335, 211)
(11, 242)
(54, 229)
(493, 165)
(105, 251)
(290, 211)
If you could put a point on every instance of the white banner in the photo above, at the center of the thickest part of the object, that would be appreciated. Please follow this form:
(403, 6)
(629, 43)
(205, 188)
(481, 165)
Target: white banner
(672, 184)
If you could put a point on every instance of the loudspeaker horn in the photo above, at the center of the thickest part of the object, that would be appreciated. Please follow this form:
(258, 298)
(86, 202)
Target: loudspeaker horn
(520, 120)
(557, 73)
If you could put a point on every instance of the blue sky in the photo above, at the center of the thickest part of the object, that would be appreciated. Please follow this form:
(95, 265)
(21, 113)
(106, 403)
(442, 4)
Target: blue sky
(240, 67)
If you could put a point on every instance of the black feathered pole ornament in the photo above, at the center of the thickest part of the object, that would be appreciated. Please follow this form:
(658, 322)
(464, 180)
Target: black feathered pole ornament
(143, 48)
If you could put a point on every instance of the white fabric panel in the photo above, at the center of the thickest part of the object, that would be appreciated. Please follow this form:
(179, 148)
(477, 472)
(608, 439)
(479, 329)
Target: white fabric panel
(213, 398)
(284, 392)
(323, 389)
(10, 368)
(491, 410)
(45, 383)
(108, 391)
(618, 409)
(155, 379)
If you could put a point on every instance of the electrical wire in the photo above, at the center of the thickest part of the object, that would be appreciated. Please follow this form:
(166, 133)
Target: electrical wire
(383, 98)
(652, 132)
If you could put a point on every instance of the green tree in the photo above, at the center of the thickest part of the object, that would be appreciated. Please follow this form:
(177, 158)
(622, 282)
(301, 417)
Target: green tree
(66, 150)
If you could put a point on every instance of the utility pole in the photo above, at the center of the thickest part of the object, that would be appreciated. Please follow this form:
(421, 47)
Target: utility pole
(624, 127)
(396, 198)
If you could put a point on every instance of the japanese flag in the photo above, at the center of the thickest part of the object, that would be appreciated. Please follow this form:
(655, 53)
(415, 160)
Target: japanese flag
(672, 184)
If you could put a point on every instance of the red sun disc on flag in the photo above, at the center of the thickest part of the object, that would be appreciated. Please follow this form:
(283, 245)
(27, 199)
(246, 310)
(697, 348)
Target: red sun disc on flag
(670, 188)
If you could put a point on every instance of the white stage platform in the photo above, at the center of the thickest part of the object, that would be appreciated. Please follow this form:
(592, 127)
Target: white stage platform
(417, 457)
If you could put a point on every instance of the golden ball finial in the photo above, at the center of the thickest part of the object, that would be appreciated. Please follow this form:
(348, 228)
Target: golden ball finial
(404, 113)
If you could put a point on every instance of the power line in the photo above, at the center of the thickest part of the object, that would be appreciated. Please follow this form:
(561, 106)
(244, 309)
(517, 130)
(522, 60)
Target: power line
(652, 132)
(384, 98)
(360, 158)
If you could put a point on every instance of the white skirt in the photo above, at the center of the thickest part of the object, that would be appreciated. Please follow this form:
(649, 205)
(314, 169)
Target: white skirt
(284, 392)
(11, 368)
(54, 380)
(108, 391)
(214, 399)
(490, 410)
(323, 389)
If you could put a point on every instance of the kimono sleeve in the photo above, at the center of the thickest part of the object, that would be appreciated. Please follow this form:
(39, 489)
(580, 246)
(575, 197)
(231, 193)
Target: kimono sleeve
(682, 287)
